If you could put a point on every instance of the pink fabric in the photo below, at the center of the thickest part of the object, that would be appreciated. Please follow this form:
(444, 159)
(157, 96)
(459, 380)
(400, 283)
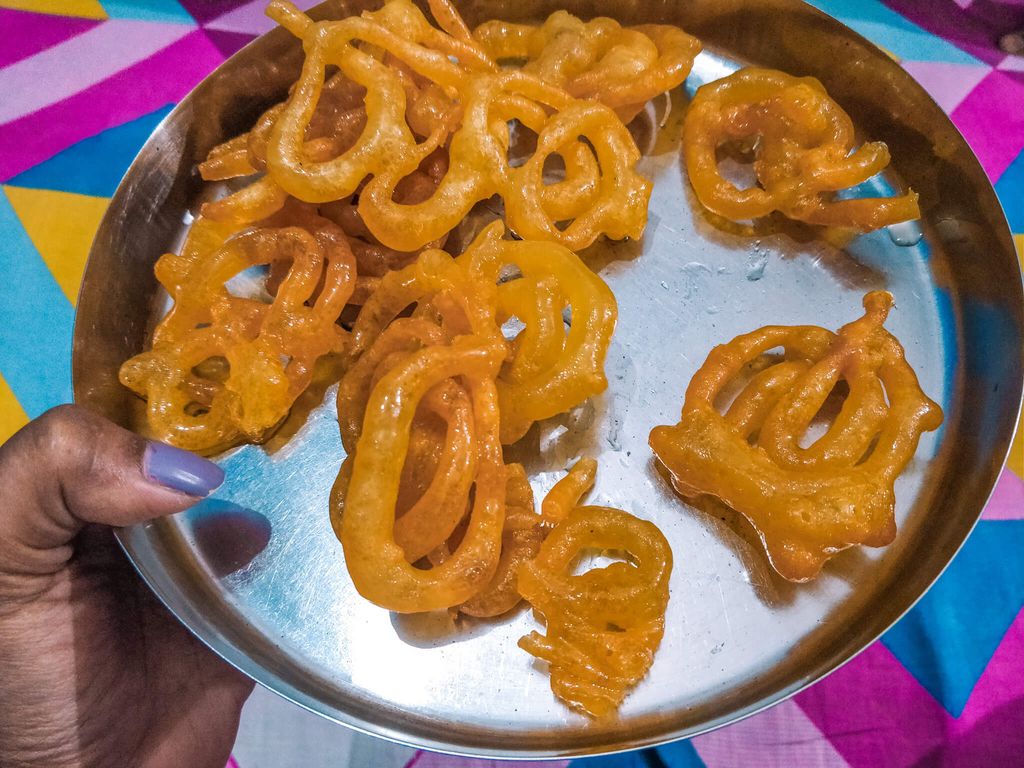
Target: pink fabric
(148, 85)
(1000, 93)
(29, 33)
(1007, 502)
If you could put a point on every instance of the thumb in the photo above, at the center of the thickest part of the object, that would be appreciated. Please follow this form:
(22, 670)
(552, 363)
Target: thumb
(71, 467)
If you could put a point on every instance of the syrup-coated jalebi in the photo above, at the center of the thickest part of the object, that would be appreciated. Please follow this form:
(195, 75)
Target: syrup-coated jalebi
(224, 369)
(337, 122)
(601, 194)
(552, 369)
(622, 67)
(377, 564)
(436, 445)
(602, 626)
(520, 542)
(807, 504)
(803, 148)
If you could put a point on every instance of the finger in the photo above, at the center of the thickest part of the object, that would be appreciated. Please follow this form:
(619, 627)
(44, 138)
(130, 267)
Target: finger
(70, 467)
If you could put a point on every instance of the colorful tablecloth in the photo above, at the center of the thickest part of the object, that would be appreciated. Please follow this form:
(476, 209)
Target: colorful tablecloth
(82, 84)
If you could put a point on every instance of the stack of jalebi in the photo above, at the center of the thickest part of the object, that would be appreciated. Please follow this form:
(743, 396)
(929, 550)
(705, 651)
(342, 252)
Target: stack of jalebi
(807, 504)
(427, 401)
(395, 130)
(802, 142)
(622, 67)
(602, 626)
(459, 99)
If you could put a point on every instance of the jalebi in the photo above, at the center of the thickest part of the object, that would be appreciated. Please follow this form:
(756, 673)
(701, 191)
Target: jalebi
(222, 368)
(376, 563)
(622, 67)
(567, 492)
(439, 364)
(337, 122)
(803, 147)
(542, 371)
(604, 625)
(601, 194)
(551, 370)
(520, 542)
(807, 504)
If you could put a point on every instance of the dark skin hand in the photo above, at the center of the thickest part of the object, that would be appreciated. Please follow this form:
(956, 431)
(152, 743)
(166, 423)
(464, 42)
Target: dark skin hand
(95, 672)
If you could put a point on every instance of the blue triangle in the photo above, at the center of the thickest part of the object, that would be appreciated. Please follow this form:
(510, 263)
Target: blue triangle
(948, 638)
(168, 11)
(93, 166)
(679, 754)
(1010, 189)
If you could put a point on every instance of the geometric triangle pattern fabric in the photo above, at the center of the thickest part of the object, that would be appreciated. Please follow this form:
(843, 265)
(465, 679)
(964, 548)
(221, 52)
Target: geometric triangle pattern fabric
(945, 82)
(228, 43)
(94, 166)
(250, 18)
(83, 83)
(28, 33)
(893, 32)
(81, 9)
(148, 10)
(61, 225)
(1010, 186)
(12, 416)
(947, 639)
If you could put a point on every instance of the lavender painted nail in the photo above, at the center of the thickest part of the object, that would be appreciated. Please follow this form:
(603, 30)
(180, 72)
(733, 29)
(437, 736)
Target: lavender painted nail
(181, 470)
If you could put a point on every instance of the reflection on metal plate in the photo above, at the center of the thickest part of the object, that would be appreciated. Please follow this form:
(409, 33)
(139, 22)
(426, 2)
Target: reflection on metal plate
(259, 576)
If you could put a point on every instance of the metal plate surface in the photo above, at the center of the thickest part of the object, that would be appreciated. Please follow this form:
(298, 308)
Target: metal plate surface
(258, 575)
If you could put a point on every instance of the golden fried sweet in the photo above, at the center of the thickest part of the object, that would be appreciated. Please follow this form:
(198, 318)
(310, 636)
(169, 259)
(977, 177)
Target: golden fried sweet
(552, 368)
(807, 503)
(803, 152)
(520, 542)
(567, 492)
(376, 563)
(335, 125)
(622, 67)
(602, 626)
(467, 103)
(224, 369)
(431, 307)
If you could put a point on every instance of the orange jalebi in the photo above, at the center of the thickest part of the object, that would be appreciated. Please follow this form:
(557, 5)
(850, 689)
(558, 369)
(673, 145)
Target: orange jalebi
(803, 148)
(337, 122)
(622, 67)
(224, 369)
(551, 370)
(376, 563)
(434, 463)
(602, 193)
(445, 357)
(520, 542)
(604, 625)
(807, 504)
(567, 492)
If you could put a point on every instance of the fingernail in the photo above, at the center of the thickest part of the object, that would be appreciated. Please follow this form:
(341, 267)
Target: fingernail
(181, 470)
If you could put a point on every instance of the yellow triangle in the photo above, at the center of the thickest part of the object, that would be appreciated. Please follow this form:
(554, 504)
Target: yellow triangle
(12, 416)
(87, 9)
(62, 226)
(1016, 460)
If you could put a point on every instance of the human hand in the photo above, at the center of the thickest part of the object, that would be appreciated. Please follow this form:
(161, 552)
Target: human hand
(95, 672)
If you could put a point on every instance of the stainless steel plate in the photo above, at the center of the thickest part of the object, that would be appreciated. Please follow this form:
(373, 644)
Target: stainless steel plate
(258, 575)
